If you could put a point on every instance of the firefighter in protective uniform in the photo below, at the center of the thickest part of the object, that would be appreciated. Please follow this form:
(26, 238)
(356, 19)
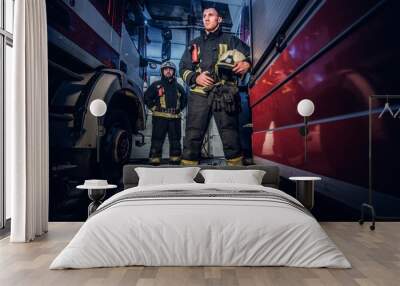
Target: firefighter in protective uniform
(166, 99)
(210, 66)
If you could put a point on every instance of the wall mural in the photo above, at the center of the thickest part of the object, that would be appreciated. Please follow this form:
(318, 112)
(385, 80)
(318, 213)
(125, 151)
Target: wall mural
(103, 51)
(132, 61)
(339, 67)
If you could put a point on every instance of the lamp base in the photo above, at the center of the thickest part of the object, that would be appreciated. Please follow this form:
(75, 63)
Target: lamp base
(303, 130)
(372, 209)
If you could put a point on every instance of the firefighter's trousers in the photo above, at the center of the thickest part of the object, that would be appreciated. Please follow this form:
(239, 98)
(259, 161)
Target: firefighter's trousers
(198, 117)
(162, 127)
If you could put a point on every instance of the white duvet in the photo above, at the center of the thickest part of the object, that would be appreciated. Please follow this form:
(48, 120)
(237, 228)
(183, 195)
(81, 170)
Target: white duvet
(200, 231)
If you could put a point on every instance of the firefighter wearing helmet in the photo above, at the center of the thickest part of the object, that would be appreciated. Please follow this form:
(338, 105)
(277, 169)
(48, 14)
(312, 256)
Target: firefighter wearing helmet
(166, 99)
(211, 66)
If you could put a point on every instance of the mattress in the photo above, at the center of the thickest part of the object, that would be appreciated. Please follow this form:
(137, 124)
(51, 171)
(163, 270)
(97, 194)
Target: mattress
(201, 225)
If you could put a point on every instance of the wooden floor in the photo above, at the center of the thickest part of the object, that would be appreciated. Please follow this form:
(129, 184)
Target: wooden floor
(375, 257)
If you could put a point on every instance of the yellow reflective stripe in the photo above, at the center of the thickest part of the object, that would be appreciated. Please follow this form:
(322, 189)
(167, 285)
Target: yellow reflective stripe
(174, 158)
(189, 163)
(222, 49)
(185, 74)
(198, 89)
(155, 160)
(153, 108)
(127, 92)
(165, 114)
(234, 161)
(198, 69)
(162, 101)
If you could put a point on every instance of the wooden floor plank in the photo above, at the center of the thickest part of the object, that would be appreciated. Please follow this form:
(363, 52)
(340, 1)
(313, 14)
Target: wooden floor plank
(374, 255)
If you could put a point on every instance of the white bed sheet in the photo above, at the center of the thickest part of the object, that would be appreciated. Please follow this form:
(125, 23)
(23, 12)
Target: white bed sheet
(193, 231)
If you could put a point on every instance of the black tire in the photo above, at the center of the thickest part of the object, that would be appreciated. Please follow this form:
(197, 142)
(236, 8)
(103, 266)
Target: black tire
(117, 141)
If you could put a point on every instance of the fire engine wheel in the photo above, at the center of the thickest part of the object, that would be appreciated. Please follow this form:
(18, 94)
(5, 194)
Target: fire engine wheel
(121, 145)
(118, 138)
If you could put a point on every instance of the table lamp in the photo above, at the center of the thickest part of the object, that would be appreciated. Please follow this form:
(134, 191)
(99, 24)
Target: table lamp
(305, 108)
(98, 108)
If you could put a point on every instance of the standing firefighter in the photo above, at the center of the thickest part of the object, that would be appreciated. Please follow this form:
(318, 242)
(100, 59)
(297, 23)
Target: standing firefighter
(166, 98)
(210, 66)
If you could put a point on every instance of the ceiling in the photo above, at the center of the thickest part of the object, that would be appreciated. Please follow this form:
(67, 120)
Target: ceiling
(186, 13)
(180, 15)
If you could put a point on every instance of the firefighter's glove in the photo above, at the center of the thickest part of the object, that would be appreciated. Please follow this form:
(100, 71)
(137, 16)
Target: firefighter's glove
(218, 103)
(229, 94)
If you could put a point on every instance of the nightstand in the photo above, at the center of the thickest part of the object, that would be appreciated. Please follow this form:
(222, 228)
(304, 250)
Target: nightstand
(305, 190)
(96, 192)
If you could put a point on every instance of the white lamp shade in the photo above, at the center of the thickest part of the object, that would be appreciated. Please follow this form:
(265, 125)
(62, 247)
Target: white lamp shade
(98, 107)
(305, 107)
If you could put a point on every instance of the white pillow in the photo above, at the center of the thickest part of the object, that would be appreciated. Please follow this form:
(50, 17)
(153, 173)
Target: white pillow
(165, 176)
(248, 177)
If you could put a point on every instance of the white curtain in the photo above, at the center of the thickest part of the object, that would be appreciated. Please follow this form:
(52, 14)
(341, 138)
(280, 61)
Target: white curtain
(27, 124)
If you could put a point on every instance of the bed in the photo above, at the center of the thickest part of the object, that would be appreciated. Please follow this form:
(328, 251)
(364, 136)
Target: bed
(201, 224)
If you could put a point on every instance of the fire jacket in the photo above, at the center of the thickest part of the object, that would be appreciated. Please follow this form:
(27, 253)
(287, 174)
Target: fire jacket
(166, 99)
(203, 53)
